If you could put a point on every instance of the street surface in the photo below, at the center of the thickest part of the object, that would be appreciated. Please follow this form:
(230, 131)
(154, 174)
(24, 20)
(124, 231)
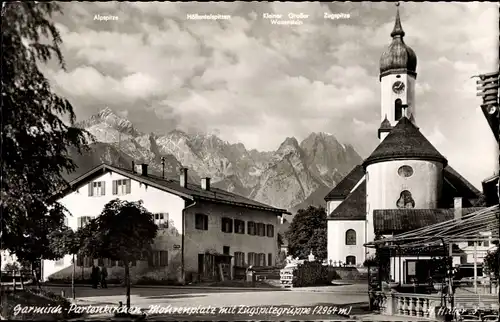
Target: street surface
(207, 303)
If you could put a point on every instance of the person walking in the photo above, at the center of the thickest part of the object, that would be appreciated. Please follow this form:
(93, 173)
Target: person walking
(94, 276)
(104, 275)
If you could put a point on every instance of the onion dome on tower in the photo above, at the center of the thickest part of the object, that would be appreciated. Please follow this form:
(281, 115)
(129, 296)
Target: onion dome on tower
(399, 57)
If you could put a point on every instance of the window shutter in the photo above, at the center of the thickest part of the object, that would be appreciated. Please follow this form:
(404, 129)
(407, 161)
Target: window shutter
(91, 190)
(128, 184)
(103, 191)
(115, 187)
(79, 224)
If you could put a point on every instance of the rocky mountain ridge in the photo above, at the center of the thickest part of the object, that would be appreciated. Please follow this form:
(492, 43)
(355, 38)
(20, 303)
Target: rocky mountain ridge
(295, 174)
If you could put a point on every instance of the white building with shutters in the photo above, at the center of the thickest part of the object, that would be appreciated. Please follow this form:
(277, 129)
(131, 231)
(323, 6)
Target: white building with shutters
(201, 228)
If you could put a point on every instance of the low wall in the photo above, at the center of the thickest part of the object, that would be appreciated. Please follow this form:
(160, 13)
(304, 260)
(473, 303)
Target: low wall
(351, 273)
(116, 275)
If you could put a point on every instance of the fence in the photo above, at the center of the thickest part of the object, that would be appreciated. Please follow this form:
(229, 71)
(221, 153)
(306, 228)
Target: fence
(16, 279)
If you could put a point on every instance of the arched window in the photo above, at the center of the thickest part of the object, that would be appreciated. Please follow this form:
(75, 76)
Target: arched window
(405, 200)
(398, 109)
(350, 260)
(350, 237)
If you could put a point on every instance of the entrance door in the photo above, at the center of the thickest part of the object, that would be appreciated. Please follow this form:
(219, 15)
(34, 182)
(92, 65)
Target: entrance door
(201, 264)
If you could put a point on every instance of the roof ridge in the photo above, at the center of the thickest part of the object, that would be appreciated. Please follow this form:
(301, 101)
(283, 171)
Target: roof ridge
(405, 141)
(192, 193)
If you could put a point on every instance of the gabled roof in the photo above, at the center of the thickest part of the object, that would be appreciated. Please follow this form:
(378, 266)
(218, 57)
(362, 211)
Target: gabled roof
(464, 188)
(344, 187)
(191, 192)
(395, 221)
(353, 207)
(405, 142)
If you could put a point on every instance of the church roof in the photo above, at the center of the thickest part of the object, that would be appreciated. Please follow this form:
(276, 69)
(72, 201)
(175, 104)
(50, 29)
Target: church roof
(395, 221)
(405, 141)
(399, 57)
(344, 187)
(463, 187)
(353, 207)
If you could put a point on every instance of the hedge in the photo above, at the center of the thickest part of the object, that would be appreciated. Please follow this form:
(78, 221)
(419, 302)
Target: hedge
(314, 274)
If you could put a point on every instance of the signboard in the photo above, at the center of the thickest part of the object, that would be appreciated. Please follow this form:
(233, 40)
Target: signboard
(177, 246)
(412, 271)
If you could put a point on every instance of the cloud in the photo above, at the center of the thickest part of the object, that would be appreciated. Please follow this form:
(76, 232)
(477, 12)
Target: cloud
(252, 80)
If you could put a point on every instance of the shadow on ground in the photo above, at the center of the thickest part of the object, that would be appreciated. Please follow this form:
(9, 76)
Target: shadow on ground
(86, 291)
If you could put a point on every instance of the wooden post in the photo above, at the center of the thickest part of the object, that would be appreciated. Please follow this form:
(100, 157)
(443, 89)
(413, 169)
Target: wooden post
(450, 291)
(73, 278)
(475, 267)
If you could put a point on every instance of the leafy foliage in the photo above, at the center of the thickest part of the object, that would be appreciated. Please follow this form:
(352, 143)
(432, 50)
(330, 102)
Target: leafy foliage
(480, 202)
(64, 241)
(318, 243)
(280, 240)
(124, 231)
(35, 138)
(301, 234)
(491, 261)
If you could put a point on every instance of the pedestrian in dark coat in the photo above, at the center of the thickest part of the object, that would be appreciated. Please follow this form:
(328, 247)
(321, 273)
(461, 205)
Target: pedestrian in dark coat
(95, 276)
(104, 275)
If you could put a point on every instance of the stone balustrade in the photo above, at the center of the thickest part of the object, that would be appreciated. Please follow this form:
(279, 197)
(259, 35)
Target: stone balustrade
(425, 305)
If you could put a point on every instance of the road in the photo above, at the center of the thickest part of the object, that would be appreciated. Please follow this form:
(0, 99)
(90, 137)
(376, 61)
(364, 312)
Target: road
(226, 304)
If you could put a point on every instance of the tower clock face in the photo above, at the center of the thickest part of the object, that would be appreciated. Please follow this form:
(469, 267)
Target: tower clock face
(398, 87)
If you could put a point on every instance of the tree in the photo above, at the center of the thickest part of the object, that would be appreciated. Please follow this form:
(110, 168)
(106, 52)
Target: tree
(124, 231)
(491, 261)
(35, 138)
(66, 241)
(280, 241)
(318, 243)
(302, 230)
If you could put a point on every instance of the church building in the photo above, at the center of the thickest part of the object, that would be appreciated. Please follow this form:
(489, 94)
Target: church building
(405, 183)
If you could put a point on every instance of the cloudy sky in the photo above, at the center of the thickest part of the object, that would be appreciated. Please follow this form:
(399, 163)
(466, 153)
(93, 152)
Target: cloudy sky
(257, 83)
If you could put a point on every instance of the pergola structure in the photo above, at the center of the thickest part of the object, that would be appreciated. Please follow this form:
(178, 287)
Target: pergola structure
(482, 225)
(478, 226)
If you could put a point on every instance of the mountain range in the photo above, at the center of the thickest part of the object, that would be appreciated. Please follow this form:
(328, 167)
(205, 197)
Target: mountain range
(294, 176)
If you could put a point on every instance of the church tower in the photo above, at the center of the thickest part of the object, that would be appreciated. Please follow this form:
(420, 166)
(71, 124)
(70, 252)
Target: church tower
(398, 66)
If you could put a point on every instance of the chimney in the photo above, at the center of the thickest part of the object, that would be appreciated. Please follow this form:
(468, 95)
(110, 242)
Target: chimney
(133, 166)
(205, 183)
(458, 207)
(144, 169)
(183, 178)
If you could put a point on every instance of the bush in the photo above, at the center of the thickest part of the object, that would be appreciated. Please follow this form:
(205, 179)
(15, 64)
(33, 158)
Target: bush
(314, 274)
(11, 267)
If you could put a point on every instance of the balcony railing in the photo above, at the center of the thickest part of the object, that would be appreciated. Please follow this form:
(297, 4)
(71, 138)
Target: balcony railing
(427, 306)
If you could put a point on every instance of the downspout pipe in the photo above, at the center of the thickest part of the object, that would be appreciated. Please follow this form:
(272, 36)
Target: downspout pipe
(183, 271)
